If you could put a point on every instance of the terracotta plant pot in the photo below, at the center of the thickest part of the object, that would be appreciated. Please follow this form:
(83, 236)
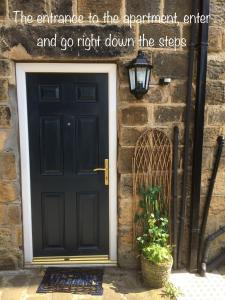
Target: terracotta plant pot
(155, 275)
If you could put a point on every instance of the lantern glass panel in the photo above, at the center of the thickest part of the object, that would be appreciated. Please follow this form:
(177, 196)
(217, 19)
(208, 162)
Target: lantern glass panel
(132, 79)
(148, 78)
(141, 76)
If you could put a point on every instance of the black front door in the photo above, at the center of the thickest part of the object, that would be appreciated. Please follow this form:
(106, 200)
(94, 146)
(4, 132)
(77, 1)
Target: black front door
(68, 138)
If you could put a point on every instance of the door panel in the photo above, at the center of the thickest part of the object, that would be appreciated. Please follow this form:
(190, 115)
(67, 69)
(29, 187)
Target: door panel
(86, 92)
(87, 138)
(68, 137)
(49, 92)
(88, 213)
(53, 212)
(51, 149)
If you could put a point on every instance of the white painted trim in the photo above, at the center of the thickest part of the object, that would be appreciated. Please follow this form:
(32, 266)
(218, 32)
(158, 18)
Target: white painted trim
(21, 70)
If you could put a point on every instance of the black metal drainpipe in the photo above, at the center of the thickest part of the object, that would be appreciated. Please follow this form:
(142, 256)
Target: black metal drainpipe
(174, 193)
(195, 8)
(198, 137)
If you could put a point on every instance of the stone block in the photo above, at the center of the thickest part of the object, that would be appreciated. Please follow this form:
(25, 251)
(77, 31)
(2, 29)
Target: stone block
(8, 262)
(14, 215)
(216, 68)
(216, 115)
(123, 71)
(3, 90)
(3, 8)
(219, 188)
(33, 8)
(3, 213)
(61, 6)
(5, 236)
(222, 162)
(135, 115)
(129, 136)
(223, 44)
(215, 92)
(142, 7)
(174, 65)
(156, 94)
(217, 12)
(167, 114)
(5, 66)
(96, 7)
(125, 188)
(3, 139)
(181, 7)
(217, 205)
(5, 116)
(207, 158)
(18, 236)
(126, 95)
(210, 136)
(179, 92)
(7, 192)
(26, 37)
(187, 34)
(157, 31)
(125, 160)
(7, 166)
(125, 213)
(215, 39)
(126, 238)
(127, 258)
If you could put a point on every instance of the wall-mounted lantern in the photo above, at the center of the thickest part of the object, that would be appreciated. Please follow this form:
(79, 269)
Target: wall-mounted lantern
(139, 75)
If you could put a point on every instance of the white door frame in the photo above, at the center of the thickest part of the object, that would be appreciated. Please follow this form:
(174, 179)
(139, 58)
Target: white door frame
(21, 70)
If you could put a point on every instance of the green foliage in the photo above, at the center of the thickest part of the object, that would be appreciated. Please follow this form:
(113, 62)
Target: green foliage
(171, 291)
(156, 253)
(155, 232)
(151, 202)
(158, 230)
(153, 242)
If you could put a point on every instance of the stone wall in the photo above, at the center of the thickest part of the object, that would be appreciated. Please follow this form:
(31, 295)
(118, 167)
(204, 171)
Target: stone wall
(163, 107)
(215, 121)
(10, 199)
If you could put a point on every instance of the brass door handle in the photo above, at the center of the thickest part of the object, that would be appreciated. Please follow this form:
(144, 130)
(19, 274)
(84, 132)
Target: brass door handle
(105, 170)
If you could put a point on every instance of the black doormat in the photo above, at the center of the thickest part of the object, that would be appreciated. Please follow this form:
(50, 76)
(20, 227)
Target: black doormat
(72, 280)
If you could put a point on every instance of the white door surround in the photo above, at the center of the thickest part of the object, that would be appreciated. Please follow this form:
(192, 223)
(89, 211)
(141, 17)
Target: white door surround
(21, 70)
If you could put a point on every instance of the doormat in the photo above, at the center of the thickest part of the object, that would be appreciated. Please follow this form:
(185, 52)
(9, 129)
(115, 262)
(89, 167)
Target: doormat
(72, 280)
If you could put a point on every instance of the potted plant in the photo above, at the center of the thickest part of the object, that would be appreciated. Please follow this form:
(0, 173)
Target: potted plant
(156, 257)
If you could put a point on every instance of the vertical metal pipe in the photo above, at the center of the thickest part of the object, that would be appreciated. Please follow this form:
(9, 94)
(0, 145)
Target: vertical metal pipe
(198, 138)
(195, 6)
(174, 193)
(220, 142)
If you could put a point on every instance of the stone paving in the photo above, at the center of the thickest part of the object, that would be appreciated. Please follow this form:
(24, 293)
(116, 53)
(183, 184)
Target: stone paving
(118, 285)
(195, 287)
